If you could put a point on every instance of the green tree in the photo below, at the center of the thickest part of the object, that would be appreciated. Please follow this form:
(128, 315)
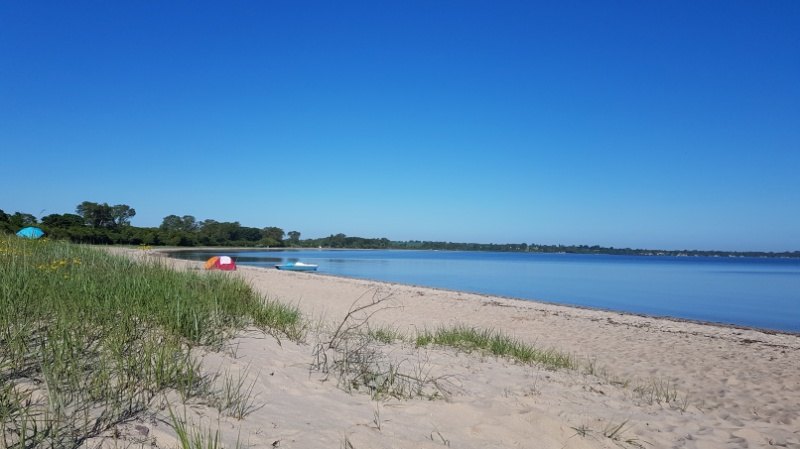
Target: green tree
(171, 223)
(95, 215)
(337, 241)
(294, 237)
(5, 226)
(272, 236)
(21, 220)
(121, 215)
(215, 233)
(248, 234)
(104, 216)
(62, 221)
(187, 223)
(178, 238)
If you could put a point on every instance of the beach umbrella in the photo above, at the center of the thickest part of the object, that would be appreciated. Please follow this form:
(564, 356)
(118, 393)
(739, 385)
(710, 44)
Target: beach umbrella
(31, 232)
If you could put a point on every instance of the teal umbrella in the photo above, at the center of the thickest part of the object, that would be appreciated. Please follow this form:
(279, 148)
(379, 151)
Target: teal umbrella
(31, 232)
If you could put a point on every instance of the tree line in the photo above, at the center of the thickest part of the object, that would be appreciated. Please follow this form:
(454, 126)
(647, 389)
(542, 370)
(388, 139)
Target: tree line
(101, 223)
(342, 241)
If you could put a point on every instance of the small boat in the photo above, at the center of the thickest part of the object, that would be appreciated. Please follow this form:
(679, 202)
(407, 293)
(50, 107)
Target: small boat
(297, 266)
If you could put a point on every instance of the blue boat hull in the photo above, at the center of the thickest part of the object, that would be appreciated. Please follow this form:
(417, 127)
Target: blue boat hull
(297, 267)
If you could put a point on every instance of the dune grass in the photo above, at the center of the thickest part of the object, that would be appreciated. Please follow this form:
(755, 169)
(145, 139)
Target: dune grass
(195, 436)
(88, 339)
(495, 343)
(385, 334)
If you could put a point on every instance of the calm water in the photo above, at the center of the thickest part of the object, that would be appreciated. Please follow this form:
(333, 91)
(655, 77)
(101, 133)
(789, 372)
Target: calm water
(762, 293)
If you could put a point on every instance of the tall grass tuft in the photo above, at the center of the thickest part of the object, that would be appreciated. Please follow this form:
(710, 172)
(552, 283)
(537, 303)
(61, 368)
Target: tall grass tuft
(496, 343)
(88, 339)
(236, 397)
(195, 436)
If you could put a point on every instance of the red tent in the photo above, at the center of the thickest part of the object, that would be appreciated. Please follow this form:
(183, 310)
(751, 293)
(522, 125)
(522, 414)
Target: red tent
(220, 263)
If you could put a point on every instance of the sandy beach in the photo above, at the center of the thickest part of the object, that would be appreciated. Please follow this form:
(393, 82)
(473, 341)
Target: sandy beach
(639, 381)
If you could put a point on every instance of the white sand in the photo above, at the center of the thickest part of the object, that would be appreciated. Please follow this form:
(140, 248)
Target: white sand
(732, 387)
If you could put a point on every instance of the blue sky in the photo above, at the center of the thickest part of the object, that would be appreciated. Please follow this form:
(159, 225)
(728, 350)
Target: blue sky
(623, 123)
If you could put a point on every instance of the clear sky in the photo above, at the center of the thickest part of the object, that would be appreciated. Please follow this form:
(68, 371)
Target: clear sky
(672, 124)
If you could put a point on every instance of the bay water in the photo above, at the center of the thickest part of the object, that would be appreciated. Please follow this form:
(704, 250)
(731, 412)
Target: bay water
(752, 292)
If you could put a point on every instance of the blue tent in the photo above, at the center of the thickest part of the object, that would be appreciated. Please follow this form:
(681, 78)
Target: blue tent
(31, 232)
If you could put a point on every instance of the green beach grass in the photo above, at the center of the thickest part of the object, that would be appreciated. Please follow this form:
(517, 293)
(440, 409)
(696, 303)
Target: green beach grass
(88, 339)
(495, 343)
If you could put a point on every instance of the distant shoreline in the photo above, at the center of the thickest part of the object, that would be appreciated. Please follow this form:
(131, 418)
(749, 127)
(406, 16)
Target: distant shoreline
(643, 253)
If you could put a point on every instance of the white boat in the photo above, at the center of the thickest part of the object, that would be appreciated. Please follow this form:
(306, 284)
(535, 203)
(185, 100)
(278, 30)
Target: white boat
(297, 266)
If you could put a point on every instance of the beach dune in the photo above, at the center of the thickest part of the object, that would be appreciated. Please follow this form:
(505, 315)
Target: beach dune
(638, 381)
